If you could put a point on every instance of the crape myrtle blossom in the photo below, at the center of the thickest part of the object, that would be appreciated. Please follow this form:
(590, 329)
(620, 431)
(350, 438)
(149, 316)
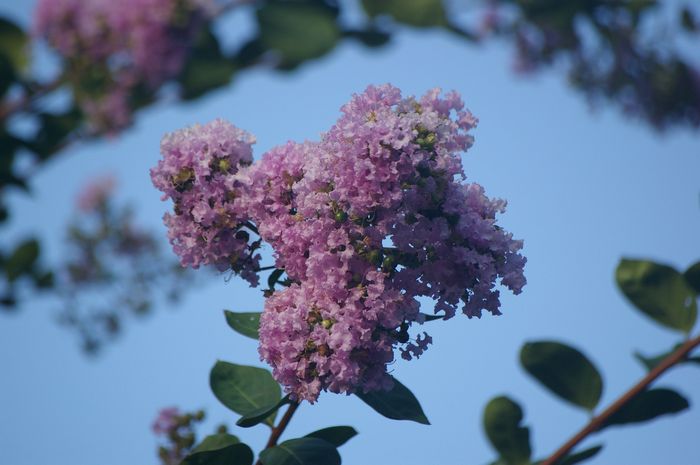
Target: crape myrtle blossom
(166, 421)
(114, 50)
(363, 222)
(198, 173)
(96, 193)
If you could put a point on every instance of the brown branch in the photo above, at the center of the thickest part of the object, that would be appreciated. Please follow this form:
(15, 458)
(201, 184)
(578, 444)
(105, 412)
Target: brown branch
(24, 102)
(281, 426)
(599, 421)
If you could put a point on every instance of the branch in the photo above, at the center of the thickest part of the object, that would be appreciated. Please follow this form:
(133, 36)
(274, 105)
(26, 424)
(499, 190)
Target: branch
(598, 421)
(281, 426)
(24, 102)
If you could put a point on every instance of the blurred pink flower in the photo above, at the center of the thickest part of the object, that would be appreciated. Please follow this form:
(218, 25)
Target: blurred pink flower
(96, 192)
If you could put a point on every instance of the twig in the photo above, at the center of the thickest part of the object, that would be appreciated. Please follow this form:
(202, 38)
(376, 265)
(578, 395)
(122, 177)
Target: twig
(29, 98)
(599, 421)
(281, 426)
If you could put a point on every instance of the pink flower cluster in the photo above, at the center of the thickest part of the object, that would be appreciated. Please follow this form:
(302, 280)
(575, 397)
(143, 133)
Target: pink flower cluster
(112, 48)
(199, 173)
(364, 222)
(95, 194)
(167, 421)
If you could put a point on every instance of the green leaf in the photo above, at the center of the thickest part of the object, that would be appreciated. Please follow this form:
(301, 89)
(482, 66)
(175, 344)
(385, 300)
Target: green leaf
(22, 259)
(244, 323)
(336, 435)
(259, 415)
(579, 457)
(502, 417)
(398, 404)
(647, 406)
(692, 277)
(43, 279)
(220, 449)
(206, 69)
(244, 389)
(14, 44)
(418, 13)
(369, 37)
(298, 31)
(7, 78)
(302, 451)
(274, 277)
(563, 370)
(659, 291)
(651, 362)
(54, 130)
(216, 441)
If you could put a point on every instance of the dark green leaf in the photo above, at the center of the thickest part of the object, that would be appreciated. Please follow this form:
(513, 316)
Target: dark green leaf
(298, 31)
(579, 457)
(207, 68)
(244, 323)
(688, 20)
(244, 389)
(398, 404)
(368, 37)
(43, 279)
(7, 78)
(216, 441)
(259, 415)
(336, 435)
(220, 451)
(659, 291)
(564, 370)
(692, 277)
(651, 362)
(429, 317)
(274, 277)
(53, 131)
(647, 406)
(419, 13)
(13, 44)
(302, 451)
(502, 418)
(22, 259)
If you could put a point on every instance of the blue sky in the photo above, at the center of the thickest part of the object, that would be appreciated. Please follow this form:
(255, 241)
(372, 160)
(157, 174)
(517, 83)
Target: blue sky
(584, 189)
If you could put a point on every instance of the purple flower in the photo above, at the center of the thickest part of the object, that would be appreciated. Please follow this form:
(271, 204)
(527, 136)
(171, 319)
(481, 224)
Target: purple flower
(95, 193)
(364, 222)
(199, 173)
(113, 48)
(166, 421)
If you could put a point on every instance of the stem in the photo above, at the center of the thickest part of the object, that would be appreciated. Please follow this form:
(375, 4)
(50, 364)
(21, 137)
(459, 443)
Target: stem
(28, 99)
(281, 426)
(598, 421)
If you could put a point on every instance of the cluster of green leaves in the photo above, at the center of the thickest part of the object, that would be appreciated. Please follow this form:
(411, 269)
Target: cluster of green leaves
(252, 393)
(660, 292)
(648, 79)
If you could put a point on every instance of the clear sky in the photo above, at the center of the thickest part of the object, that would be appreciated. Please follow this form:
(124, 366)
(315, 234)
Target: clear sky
(584, 189)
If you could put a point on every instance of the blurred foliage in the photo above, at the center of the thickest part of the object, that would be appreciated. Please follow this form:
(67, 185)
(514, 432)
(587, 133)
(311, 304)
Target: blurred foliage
(112, 269)
(179, 436)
